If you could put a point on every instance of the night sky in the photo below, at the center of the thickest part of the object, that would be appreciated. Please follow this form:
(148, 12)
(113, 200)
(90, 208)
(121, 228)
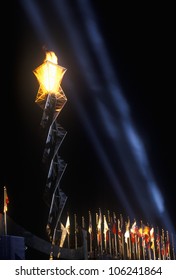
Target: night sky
(139, 44)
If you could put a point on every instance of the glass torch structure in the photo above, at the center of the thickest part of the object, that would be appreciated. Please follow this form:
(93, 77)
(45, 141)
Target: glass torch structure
(51, 99)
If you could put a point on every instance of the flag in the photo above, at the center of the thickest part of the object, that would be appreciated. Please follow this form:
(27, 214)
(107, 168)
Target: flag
(90, 223)
(105, 224)
(134, 228)
(133, 231)
(114, 228)
(63, 236)
(146, 230)
(163, 245)
(105, 230)
(167, 245)
(119, 230)
(76, 231)
(127, 232)
(67, 226)
(114, 225)
(65, 230)
(158, 244)
(152, 238)
(146, 234)
(99, 222)
(90, 230)
(110, 222)
(6, 200)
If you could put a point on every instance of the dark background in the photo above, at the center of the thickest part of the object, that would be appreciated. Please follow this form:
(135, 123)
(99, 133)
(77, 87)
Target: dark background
(140, 42)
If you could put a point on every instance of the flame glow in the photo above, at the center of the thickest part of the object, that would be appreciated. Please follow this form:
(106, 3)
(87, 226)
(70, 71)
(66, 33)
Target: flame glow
(50, 74)
(51, 56)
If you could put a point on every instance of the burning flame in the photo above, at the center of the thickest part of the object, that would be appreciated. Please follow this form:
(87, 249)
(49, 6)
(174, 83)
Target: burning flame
(50, 74)
(50, 56)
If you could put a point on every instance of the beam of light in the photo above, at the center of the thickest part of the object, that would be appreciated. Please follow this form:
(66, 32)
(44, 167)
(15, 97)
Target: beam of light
(131, 137)
(121, 145)
(139, 153)
(112, 175)
(114, 89)
(79, 47)
(95, 85)
(39, 24)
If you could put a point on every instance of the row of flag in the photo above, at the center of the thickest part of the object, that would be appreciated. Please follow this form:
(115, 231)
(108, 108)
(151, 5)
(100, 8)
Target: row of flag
(109, 235)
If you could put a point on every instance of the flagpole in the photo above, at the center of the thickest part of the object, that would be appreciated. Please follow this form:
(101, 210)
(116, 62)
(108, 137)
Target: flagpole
(139, 247)
(143, 241)
(158, 244)
(90, 232)
(129, 240)
(99, 233)
(173, 247)
(5, 223)
(120, 237)
(137, 256)
(5, 210)
(154, 252)
(122, 241)
(168, 245)
(83, 222)
(163, 252)
(76, 240)
(115, 233)
(101, 241)
(96, 219)
(109, 233)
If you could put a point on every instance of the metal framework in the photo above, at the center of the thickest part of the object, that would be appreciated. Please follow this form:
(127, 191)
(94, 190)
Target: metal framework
(52, 100)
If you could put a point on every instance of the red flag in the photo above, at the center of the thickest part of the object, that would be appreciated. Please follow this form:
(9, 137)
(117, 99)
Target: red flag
(6, 200)
(114, 228)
